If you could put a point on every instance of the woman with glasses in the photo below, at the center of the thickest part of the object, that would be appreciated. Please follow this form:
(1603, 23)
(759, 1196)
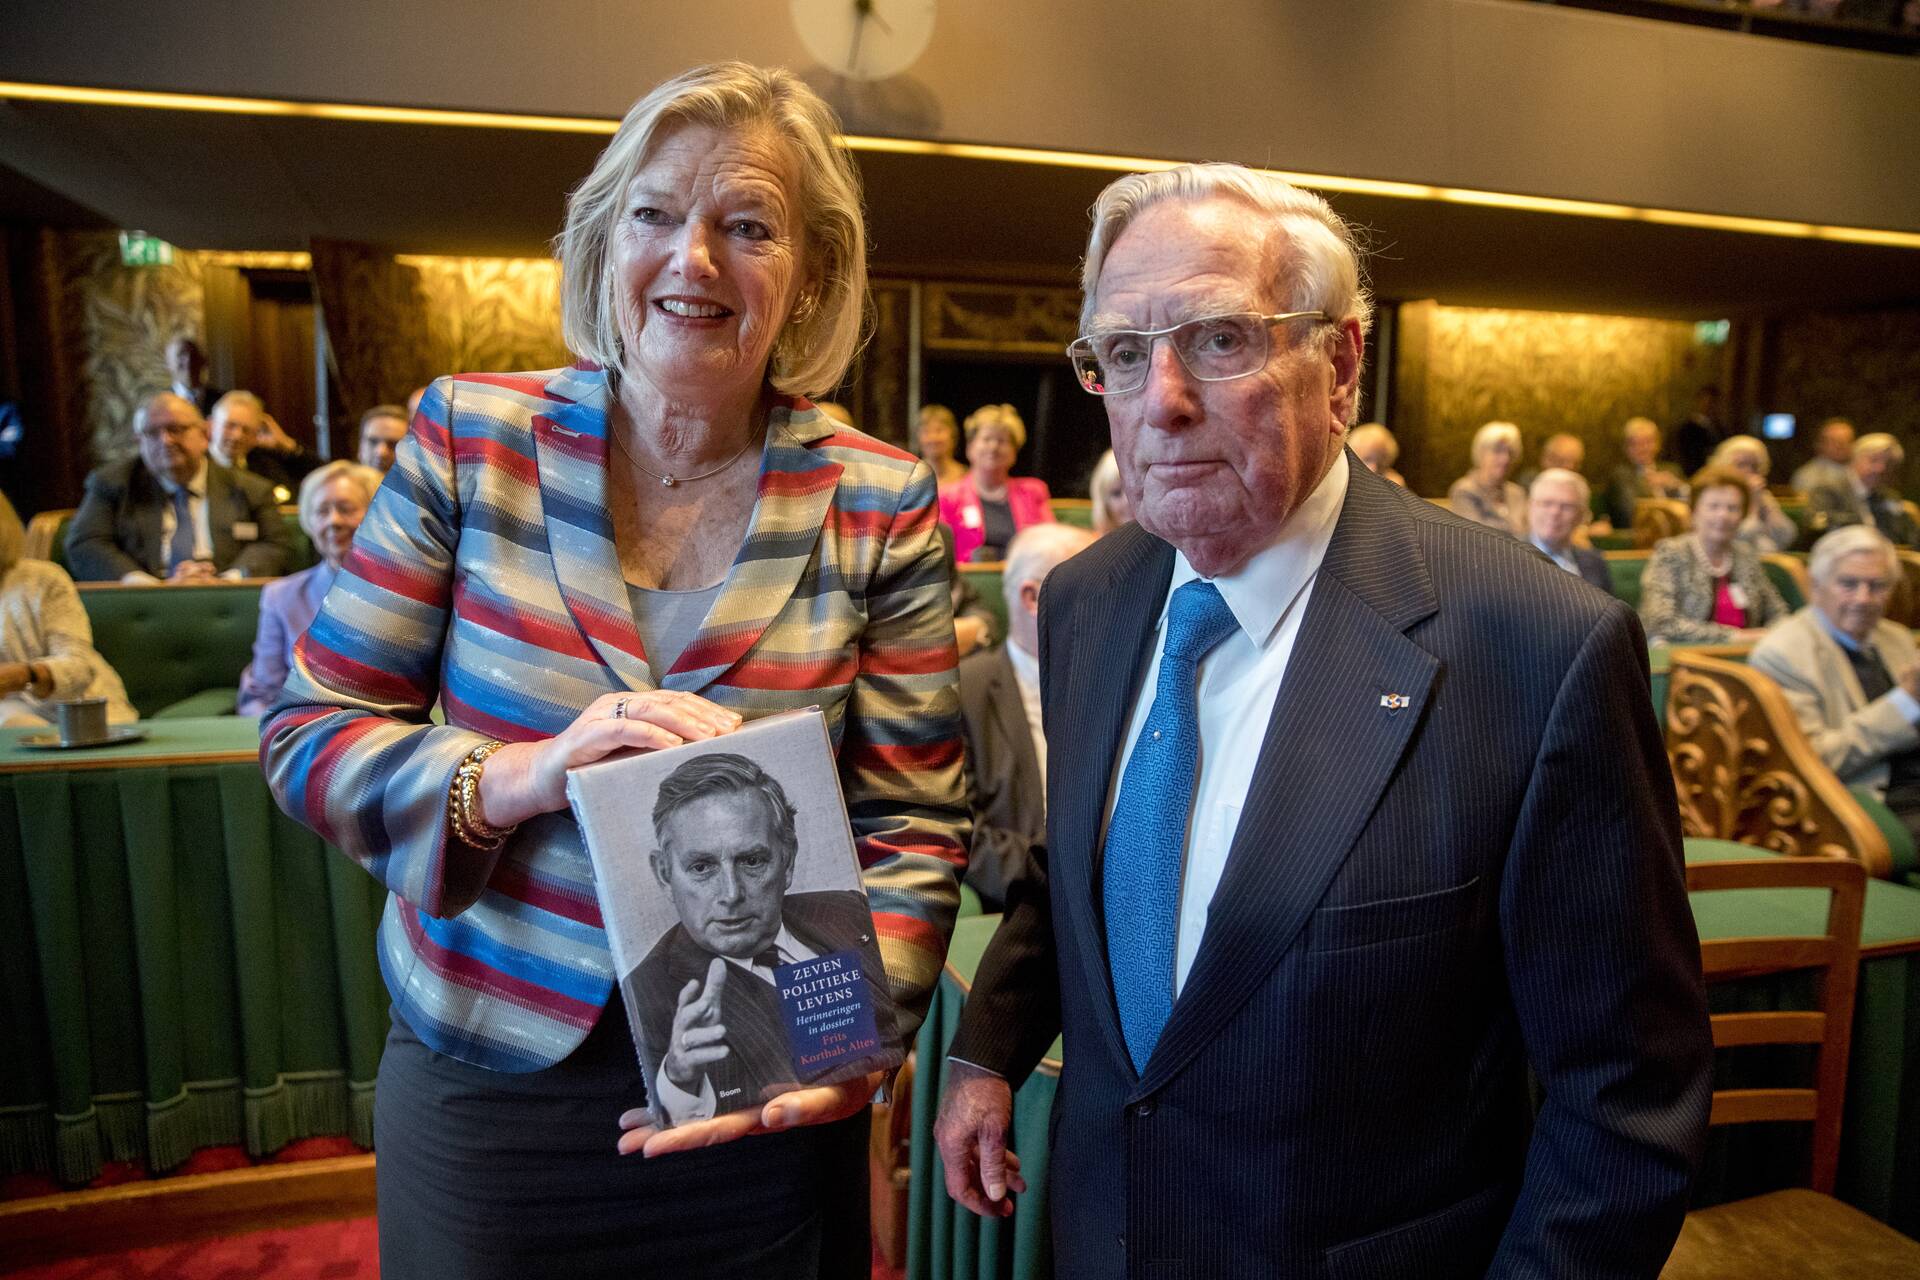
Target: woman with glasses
(1484, 495)
(990, 505)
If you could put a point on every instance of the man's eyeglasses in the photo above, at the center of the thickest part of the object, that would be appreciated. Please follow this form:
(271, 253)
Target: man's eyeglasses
(1213, 349)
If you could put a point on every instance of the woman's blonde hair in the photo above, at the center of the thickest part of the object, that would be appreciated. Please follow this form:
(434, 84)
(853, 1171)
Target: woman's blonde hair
(319, 478)
(998, 415)
(818, 342)
(13, 537)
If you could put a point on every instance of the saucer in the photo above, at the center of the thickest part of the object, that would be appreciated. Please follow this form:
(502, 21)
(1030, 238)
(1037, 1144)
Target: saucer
(116, 734)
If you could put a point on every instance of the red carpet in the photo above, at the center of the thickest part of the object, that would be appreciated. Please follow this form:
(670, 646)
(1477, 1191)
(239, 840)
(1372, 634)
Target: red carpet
(346, 1250)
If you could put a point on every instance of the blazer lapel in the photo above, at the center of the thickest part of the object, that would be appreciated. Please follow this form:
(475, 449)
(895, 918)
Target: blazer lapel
(797, 484)
(1112, 630)
(570, 449)
(1330, 748)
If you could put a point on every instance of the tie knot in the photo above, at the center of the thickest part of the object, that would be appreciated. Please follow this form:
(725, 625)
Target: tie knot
(1197, 619)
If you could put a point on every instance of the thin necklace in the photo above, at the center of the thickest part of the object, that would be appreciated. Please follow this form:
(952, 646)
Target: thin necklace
(667, 478)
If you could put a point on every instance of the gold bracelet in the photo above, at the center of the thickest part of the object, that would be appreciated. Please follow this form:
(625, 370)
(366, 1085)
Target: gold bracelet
(463, 802)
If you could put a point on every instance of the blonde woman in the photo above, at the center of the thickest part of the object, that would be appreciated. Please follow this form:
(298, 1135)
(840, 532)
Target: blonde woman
(46, 642)
(1111, 508)
(936, 438)
(1485, 495)
(990, 504)
(1766, 527)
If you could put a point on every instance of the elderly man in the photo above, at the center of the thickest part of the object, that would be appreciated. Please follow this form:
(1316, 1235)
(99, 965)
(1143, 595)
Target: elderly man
(1832, 460)
(1866, 497)
(1000, 705)
(1641, 475)
(1356, 812)
(1561, 452)
(1557, 505)
(708, 1010)
(382, 428)
(172, 514)
(187, 366)
(1852, 677)
(245, 437)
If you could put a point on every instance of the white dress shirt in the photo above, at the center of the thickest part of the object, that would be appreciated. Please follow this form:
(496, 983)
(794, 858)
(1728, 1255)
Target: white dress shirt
(1562, 558)
(196, 508)
(1238, 683)
(1026, 674)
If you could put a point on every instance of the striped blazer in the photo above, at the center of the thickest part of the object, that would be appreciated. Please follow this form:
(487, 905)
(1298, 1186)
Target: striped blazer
(485, 577)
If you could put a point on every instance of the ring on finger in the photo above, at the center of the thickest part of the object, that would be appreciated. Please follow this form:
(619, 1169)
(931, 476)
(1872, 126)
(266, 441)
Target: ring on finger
(620, 709)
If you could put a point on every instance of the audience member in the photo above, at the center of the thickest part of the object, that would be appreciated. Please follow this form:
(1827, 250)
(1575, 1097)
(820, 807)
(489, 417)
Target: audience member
(936, 438)
(1111, 509)
(1852, 677)
(838, 412)
(333, 501)
(413, 402)
(1560, 452)
(1866, 497)
(172, 513)
(187, 366)
(1000, 703)
(1374, 445)
(989, 505)
(1767, 527)
(1484, 495)
(244, 437)
(1705, 587)
(46, 641)
(1832, 460)
(1557, 505)
(382, 428)
(1694, 439)
(972, 620)
(1641, 475)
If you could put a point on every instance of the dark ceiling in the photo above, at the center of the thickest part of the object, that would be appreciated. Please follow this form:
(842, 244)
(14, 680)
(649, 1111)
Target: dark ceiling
(244, 182)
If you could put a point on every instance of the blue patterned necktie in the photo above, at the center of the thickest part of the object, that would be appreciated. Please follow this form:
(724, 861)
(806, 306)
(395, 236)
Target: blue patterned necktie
(1140, 874)
(180, 546)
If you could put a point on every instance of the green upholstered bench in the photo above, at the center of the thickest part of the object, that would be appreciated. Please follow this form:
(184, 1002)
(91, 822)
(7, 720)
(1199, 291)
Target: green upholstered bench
(986, 580)
(1074, 511)
(1625, 568)
(300, 553)
(179, 649)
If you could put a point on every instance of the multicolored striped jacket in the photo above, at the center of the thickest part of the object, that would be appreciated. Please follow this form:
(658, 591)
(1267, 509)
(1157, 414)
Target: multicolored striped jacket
(485, 577)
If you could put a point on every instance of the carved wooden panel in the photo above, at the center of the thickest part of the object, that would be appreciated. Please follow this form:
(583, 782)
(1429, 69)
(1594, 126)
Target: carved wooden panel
(1745, 771)
(1011, 319)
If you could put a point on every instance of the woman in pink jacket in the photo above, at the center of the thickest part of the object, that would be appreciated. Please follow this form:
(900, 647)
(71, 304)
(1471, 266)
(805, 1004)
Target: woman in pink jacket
(989, 506)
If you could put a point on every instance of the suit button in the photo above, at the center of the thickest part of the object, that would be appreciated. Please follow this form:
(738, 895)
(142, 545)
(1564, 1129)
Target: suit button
(1143, 1109)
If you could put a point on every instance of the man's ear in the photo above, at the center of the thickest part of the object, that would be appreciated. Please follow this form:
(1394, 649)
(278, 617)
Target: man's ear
(661, 865)
(1030, 597)
(1349, 351)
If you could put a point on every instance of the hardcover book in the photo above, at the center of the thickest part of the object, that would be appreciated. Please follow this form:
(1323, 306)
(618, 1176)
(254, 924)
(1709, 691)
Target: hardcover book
(732, 901)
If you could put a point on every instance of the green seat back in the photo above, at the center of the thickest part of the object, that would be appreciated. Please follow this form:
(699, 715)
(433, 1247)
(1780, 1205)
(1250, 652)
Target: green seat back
(986, 581)
(1613, 542)
(300, 552)
(171, 643)
(1074, 511)
(1625, 571)
(1783, 583)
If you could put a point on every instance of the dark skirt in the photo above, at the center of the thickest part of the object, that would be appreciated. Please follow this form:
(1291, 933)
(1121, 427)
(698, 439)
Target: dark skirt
(486, 1173)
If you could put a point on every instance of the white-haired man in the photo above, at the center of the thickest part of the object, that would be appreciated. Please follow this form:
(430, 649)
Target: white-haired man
(1866, 497)
(1557, 505)
(1355, 812)
(1000, 707)
(1851, 676)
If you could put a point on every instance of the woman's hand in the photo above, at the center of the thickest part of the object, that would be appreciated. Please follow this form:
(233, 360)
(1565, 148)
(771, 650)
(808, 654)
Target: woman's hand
(819, 1105)
(523, 779)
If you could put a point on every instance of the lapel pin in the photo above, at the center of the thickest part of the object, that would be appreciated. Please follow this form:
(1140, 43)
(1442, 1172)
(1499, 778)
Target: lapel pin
(1395, 702)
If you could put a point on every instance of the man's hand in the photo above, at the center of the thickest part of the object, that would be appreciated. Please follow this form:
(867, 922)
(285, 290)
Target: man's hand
(969, 634)
(975, 1113)
(699, 1038)
(192, 571)
(1909, 680)
(273, 436)
(820, 1105)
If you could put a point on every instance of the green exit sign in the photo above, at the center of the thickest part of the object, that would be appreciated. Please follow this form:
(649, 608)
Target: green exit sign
(138, 249)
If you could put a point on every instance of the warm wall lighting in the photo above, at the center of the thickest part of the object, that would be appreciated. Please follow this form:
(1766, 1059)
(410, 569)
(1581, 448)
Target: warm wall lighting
(81, 95)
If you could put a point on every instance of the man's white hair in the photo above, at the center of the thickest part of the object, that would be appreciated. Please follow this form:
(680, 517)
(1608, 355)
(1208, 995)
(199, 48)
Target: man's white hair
(1321, 273)
(1560, 475)
(1488, 435)
(1841, 543)
(1034, 553)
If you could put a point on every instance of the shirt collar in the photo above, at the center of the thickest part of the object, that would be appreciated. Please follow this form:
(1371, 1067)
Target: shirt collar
(1262, 590)
(196, 487)
(1561, 558)
(1026, 667)
(1840, 637)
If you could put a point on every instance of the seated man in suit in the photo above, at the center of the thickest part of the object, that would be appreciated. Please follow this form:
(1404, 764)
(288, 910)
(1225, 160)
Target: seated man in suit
(704, 997)
(1557, 505)
(1833, 455)
(187, 366)
(1000, 705)
(1641, 475)
(1560, 451)
(244, 437)
(172, 514)
(1851, 676)
(1866, 497)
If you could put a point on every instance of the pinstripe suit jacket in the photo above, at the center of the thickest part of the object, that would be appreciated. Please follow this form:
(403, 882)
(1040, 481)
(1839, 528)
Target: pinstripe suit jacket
(1418, 904)
(485, 575)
